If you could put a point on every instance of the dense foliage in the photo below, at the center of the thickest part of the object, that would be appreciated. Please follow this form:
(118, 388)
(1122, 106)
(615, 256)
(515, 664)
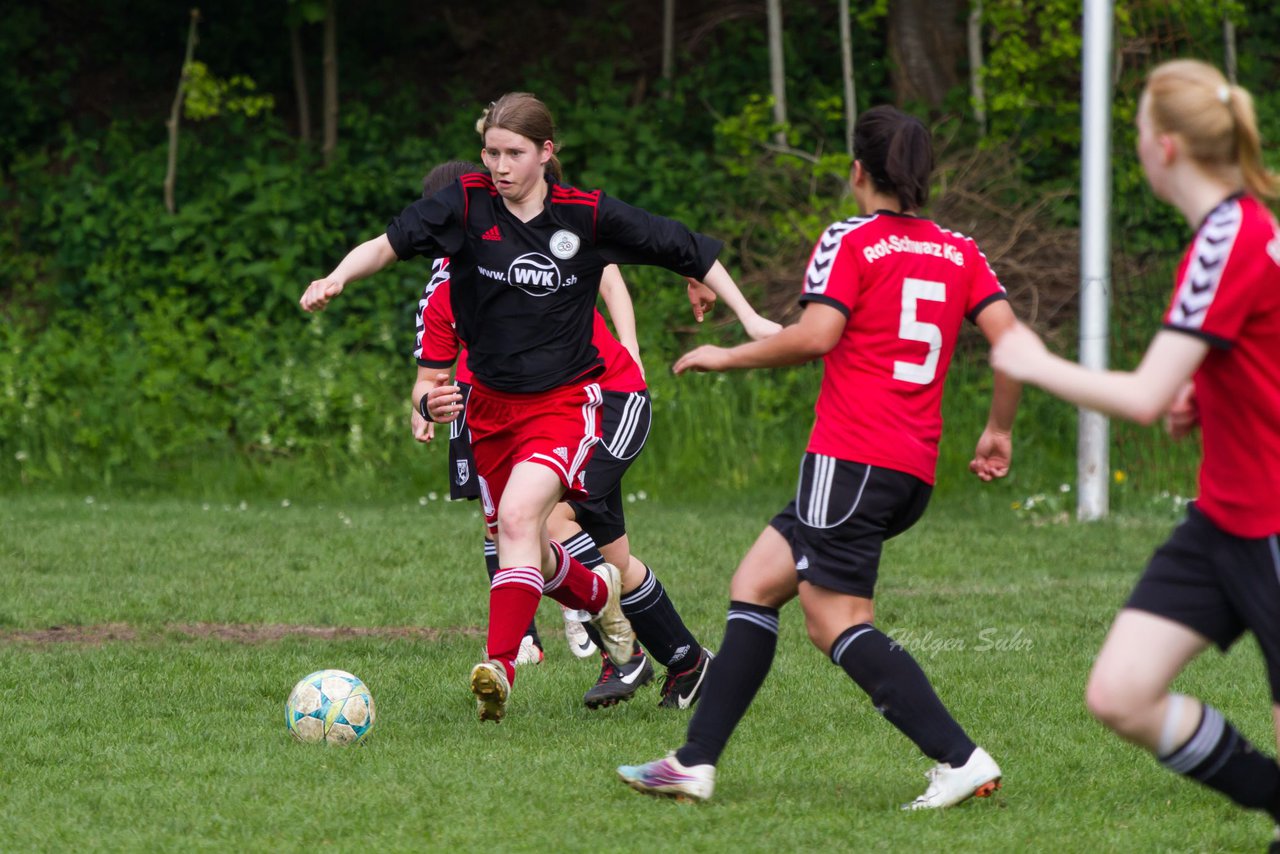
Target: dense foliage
(141, 349)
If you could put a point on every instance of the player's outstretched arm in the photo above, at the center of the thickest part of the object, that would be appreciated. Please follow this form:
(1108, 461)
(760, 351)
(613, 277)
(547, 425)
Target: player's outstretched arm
(813, 336)
(365, 260)
(1142, 395)
(719, 280)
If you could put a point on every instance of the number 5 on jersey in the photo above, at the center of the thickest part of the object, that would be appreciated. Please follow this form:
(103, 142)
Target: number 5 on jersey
(912, 329)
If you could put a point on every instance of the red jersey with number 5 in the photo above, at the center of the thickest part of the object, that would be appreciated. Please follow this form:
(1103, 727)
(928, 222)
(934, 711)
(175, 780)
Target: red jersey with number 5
(1228, 293)
(904, 284)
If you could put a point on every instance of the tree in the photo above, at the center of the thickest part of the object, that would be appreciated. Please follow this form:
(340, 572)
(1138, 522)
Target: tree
(175, 115)
(846, 71)
(330, 82)
(777, 72)
(302, 12)
(924, 48)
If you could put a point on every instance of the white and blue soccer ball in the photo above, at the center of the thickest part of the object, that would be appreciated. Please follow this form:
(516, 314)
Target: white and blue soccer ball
(332, 706)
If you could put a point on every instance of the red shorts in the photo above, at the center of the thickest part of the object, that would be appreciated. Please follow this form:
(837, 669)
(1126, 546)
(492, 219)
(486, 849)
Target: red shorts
(556, 428)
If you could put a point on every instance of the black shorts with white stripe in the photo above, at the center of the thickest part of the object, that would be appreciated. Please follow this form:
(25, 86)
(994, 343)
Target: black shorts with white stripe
(842, 514)
(1218, 585)
(624, 426)
(463, 482)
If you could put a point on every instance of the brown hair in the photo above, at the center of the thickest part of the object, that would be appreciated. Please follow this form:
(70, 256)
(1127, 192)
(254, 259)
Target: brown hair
(1215, 119)
(897, 152)
(445, 174)
(522, 113)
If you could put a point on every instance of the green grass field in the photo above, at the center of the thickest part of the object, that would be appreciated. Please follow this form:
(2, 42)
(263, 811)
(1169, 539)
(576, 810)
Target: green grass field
(151, 718)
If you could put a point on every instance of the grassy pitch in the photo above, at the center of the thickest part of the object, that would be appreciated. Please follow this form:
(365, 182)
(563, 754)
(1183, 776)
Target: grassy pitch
(147, 648)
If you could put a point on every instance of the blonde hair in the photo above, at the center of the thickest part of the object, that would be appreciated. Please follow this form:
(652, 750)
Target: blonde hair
(522, 113)
(1215, 119)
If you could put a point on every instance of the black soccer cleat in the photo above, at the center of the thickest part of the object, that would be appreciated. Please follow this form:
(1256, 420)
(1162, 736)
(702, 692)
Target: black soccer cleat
(618, 683)
(682, 690)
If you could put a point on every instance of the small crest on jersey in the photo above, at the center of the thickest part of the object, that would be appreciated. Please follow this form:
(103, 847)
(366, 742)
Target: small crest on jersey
(464, 472)
(564, 244)
(563, 453)
(1273, 249)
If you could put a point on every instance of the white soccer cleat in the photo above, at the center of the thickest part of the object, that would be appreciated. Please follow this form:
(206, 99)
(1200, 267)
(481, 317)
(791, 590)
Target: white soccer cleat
(489, 684)
(977, 778)
(613, 626)
(530, 652)
(668, 778)
(580, 643)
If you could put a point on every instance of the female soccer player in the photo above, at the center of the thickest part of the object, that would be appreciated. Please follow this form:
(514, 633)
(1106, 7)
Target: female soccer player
(581, 525)
(884, 296)
(526, 256)
(1216, 363)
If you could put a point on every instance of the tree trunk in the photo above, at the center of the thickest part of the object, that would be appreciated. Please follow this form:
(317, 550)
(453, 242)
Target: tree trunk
(976, 65)
(1229, 48)
(925, 42)
(300, 84)
(330, 81)
(175, 115)
(777, 73)
(668, 45)
(846, 71)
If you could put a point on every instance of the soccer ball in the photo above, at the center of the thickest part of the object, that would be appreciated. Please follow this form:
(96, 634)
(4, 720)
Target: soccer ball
(330, 706)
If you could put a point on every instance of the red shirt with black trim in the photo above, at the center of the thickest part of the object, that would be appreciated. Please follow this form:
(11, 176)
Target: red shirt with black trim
(904, 284)
(524, 293)
(1227, 292)
(438, 345)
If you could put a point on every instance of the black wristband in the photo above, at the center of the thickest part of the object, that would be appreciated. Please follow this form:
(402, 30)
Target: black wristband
(422, 409)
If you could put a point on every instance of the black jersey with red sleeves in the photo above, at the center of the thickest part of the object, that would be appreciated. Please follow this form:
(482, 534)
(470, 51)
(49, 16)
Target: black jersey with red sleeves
(524, 293)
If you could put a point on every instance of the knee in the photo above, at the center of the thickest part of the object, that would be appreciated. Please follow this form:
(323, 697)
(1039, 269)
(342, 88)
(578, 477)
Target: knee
(518, 523)
(1114, 703)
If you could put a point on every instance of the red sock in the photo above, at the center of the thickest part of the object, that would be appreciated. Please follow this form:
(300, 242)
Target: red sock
(573, 585)
(513, 600)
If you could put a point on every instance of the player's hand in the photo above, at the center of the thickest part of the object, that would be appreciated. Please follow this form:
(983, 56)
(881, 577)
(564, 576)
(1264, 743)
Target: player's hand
(705, 358)
(444, 402)
(1017, 353)
(761, 327)
(423, 430)
(319, 292)
(992, 456)
(1183, 416)
(701, 298)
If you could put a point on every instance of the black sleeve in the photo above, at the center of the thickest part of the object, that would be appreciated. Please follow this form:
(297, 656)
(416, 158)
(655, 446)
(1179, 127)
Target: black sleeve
(432, 227)
(629, 235)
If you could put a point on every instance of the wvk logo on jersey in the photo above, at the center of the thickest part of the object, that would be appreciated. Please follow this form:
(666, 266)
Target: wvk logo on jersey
(535, 274)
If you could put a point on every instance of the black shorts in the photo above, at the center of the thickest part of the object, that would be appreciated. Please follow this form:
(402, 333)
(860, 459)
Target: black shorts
(1218, 585)
(841, 516)
(463, 482)
(624, 426)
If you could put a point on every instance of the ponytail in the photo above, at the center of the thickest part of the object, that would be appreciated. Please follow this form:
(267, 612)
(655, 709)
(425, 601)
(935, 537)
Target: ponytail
(897, 152)
(1215, 120)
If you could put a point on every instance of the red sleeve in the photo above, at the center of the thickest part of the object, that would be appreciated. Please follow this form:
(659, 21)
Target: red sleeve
(1218, 281)
(833, 275)
(984, 287)
(437, 345)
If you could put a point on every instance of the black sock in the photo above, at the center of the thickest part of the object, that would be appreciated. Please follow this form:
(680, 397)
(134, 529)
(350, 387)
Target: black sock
(491, 566)
(733, 678)
(901, 692)
(582, 547)
(1221, 758)
(658, 626)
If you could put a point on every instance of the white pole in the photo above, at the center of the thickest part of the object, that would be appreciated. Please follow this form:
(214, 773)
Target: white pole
(1092, 452)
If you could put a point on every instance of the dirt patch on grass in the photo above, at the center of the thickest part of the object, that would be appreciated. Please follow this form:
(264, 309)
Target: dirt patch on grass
(249, 633)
